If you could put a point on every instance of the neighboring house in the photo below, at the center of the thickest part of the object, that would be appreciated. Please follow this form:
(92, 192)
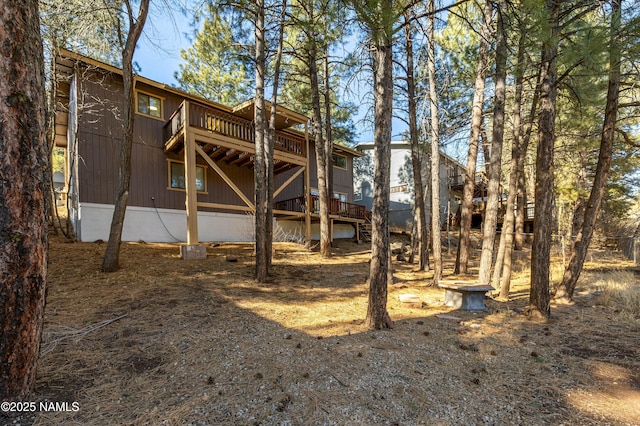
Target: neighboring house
(401, 180)
(192, 163)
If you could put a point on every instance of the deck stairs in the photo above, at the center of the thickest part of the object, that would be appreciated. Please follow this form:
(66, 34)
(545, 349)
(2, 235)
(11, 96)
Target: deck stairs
(365, 230)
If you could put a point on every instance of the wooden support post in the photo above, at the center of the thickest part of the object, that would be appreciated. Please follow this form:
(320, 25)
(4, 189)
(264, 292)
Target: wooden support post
(331, 231)
(192, 250)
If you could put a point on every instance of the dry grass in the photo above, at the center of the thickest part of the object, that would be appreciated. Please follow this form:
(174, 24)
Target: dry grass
(620, 292)
(166, 341)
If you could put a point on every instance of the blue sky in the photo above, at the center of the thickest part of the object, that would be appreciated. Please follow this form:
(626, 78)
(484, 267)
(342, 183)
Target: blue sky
(158, 51)
(158, 55)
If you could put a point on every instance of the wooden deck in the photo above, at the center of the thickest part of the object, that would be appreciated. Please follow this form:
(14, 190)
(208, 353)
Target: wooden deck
(338, 209)
(226, 137)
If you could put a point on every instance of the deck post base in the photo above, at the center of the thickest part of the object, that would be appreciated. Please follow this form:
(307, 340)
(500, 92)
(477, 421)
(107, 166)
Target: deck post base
(193, 252)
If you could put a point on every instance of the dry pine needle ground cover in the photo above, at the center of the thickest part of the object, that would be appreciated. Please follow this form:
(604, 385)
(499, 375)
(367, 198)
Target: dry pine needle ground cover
(167, 341)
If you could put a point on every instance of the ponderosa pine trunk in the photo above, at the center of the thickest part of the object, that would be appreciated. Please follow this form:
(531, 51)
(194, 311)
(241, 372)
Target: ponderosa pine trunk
(466, 208)
(435, 147)
(321, 153)
(383, 114)
(111, 261)
(260, 122)
(521, 187)
(490, 221)
(23, 181)
(572, 273)
(502, 271)
(328, 140)
(420, 225)
(272, 137)
(539, 297)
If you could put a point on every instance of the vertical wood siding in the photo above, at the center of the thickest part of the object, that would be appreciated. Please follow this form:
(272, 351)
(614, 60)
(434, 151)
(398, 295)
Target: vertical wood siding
(100, 133)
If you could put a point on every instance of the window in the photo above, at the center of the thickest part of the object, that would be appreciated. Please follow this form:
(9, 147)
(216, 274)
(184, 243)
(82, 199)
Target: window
(177, 178)
(340, 196)
(339, 161)
(149, 105)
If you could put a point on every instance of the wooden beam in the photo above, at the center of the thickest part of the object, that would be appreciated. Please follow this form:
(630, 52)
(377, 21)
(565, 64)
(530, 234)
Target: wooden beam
(226, 178)
(225, 206)
(230, 154)
(291, 214)
(241, 157)
(288, 181)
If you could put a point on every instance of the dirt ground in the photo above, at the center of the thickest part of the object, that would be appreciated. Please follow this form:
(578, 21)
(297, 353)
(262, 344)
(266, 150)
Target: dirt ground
(171, 342)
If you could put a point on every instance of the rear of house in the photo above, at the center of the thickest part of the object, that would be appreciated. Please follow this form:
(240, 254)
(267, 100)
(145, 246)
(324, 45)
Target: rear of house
(179, 135)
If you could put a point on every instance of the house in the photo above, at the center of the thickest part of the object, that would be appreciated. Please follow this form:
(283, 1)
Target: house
(401, 181)
(192, 163)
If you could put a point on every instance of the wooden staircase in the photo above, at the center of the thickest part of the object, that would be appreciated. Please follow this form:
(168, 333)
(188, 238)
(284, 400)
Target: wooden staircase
(365, 230)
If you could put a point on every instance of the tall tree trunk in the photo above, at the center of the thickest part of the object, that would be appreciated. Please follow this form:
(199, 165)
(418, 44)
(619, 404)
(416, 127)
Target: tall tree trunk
(572, 273)
(321, 154)
(272, 137)
(466, 210)
(383, 114)
(490, 221)
(521, 197)
(421, 234)
(111, 261)
(328, 141)
(23, 181)
(435, 147)
(581, 202)
(502, 271)
(260, 166)
(539, 298)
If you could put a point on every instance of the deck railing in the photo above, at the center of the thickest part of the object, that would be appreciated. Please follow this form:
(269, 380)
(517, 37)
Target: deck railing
(336, 207)
(227, 124)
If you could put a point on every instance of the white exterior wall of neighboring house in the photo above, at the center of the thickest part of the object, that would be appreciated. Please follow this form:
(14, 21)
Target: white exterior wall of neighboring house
(401, 197)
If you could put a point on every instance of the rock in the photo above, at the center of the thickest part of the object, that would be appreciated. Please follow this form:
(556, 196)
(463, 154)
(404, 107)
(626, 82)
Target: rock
(410, 300)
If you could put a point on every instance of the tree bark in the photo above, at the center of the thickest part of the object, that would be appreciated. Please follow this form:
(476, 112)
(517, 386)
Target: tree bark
(23, 222)
(321, 153)
(421, 234)
(466, 209)
(490, 221)
(328, 140)
(383, 113)
(435, 147)
(502, 271)
(539, 298)
(521, 197)
(260, 120)
(572, 273)
(111, 261)
(272, 137)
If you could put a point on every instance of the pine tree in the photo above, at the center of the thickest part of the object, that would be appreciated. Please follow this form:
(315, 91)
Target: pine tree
(23, 164)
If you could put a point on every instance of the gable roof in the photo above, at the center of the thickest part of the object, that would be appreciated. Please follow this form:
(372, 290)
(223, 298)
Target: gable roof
(65, 61)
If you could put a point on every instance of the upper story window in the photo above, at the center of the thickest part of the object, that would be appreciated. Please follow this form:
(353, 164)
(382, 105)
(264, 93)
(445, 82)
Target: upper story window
(149, 105)
(339, 161)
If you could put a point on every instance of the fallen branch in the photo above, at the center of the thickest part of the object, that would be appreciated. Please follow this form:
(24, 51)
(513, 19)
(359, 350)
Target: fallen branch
(75, 334)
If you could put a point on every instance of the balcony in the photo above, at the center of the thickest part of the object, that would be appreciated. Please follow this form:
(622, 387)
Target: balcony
(336, 207)
(230, 136)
